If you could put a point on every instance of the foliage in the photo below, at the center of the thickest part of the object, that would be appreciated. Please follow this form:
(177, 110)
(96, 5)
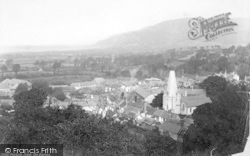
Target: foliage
(214, 85)
(21, 88)
(42, 85)
(59, 94)
(139, 75)
(16, 68)
(4, 69)
(218, 125)
(125, 73)
(56, 65)
(80, 132)
(9, 62)
(158, 101)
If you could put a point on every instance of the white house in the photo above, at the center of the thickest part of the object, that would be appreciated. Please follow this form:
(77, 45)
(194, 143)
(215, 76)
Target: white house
(13, 83)
(85, 84)
(128, 86)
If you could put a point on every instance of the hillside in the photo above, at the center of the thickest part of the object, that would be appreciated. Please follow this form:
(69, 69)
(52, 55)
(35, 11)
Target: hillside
(173, 34)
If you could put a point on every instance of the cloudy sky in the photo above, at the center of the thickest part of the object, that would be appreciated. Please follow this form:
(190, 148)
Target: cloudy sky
(83, 22)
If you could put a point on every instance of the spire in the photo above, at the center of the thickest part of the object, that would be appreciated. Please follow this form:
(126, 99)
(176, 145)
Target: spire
(172, 84)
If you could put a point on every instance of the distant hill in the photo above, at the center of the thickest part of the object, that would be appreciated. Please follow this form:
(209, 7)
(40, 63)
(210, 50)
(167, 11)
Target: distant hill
(173, 34)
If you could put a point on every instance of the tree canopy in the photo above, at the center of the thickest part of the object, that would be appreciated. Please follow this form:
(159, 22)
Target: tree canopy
(16, 68)
(220, 125)
(158, 101)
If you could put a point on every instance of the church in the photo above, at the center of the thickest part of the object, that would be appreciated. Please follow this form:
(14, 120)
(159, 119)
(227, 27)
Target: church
(182, 101)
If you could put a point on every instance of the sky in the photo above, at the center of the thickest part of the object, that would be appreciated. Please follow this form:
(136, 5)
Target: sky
(84, 22)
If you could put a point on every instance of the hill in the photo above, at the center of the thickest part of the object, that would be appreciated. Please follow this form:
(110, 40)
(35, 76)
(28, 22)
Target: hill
(174, 34)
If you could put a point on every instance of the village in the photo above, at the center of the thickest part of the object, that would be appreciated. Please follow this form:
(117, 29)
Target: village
(126, 98)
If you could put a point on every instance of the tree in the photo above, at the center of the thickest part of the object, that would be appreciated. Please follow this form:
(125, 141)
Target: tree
(214, 85)
(125, 73)
(31, 124)
(55, 66)
(22, 87)
(44, 86)
(4, 69)
(42, 64)
(139, 75)
(158, 101)
(9, 62)
(16, 68)
(36, 63)
(157, 144)
(58, 93)
(220, 125)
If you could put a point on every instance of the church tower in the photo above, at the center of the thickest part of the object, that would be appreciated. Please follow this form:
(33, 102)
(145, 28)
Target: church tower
(171, 97)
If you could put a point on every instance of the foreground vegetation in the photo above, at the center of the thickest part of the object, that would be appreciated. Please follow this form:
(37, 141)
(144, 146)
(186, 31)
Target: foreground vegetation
(219, 126)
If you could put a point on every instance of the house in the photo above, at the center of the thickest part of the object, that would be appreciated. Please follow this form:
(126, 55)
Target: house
(5, 89)
(13, 83)
(9, 86)
(154, 81)
(128, 86)
(4, 95)
(132, 112)
(161, 115)
(184, 82)
(99, 81)
(84, 84)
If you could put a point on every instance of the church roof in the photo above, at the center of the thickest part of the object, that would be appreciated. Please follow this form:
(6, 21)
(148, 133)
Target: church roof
(194, 101)
(192, 91)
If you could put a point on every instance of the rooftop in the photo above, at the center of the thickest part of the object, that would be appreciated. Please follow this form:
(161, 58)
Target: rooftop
(142, 92)
(194, 101)
(192, 91)
(170, 127)
(4, 86)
